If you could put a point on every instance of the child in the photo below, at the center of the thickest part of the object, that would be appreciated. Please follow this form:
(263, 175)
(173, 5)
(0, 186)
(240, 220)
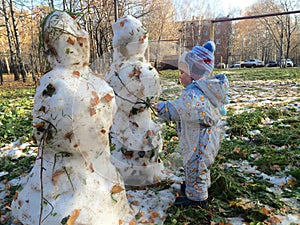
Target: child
(198, 113)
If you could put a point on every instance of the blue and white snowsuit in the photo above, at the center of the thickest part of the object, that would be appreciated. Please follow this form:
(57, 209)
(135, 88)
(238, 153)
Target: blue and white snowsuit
(198, 112)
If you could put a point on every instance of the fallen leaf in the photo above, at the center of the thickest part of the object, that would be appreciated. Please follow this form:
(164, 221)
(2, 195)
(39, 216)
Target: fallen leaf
(81, 40)
(72, 219)
(117, 188)
(16, 196)
(38, 125)
(108, 97)
(68, 136)
(132, 222)
(56, 175)
(70, 41)
(76, 73)
(95, 100)
(92, 111)
(237, 150)
(275, 220)
(265, 211)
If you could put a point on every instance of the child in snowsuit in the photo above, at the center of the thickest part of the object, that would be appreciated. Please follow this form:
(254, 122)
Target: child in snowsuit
(198, 112)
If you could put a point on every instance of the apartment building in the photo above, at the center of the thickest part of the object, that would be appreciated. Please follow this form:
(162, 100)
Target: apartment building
(197, 32)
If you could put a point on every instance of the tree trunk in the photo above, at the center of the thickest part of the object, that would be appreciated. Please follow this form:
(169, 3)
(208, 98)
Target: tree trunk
(21, 67)
(10, 42)
(1, 72)
(32, 69)
(51, 4)
(71, 5)
(64, 5)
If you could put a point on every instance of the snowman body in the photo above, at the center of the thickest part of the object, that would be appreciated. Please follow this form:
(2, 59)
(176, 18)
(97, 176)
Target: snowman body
(136, 85)
(72, 180)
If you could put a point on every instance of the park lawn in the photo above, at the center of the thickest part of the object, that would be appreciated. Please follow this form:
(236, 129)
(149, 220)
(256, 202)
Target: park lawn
(256, 176)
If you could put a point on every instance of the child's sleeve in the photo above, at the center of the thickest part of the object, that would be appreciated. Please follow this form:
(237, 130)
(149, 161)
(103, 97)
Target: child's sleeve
(225, 84)
(166, 111)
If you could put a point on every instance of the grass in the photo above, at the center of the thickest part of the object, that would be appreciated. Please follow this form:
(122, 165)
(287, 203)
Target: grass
(273, 151)
(15, 108)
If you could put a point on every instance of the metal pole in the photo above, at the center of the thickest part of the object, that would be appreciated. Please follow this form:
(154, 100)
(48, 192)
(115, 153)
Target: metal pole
(116, 9)
(179, 54)
(212, 31)
(255, 16)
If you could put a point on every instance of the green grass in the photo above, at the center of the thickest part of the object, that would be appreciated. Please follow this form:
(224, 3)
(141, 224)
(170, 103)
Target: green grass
(264, 74)
(276, 147)
(15, 109)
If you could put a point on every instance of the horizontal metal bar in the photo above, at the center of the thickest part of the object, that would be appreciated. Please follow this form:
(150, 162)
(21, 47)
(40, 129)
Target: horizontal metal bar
(253, 17)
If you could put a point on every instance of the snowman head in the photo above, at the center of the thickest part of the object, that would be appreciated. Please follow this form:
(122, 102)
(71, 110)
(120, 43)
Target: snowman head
(130, 37)
(66, 44)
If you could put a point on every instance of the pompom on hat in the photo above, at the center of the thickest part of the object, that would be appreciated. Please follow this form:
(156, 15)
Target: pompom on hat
(198, 62)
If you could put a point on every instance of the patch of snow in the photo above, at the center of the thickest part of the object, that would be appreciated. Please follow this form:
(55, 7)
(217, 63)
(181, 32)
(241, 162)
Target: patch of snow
(236, 221)
(288, 219)
(150, 207)
(3, 173)
(255, 132)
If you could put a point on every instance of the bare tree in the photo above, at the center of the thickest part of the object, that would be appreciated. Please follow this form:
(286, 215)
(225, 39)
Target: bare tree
(21, 67)
(282, 29)
(290, 24)
(1, 72)
(10, 41)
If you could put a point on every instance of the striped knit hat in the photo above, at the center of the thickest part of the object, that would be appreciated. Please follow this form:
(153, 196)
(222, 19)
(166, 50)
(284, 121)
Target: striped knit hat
(199, 62)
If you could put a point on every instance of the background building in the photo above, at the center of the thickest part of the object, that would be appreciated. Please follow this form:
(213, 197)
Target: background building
(197, 32)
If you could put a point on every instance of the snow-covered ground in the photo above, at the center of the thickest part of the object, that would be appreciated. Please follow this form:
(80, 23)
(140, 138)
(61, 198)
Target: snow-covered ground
(150, 206)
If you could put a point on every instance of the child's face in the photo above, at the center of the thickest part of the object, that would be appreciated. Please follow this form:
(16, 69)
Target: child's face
(185, 78)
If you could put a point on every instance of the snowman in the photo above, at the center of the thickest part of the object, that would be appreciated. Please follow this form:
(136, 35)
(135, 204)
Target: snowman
(136, 138)
(73, 180)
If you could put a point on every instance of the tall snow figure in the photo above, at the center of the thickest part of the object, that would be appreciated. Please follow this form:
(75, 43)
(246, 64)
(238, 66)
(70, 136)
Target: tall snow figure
(136, 85)
(73, 180)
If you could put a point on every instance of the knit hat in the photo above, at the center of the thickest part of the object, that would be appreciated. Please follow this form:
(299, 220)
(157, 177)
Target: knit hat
(198, 62)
